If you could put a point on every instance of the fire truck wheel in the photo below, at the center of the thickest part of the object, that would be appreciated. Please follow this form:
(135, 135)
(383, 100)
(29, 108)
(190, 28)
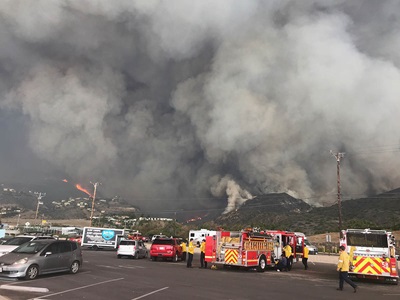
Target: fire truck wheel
(262, 264)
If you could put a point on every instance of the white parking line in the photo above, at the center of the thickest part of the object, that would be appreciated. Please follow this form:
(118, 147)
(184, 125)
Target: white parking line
(23, 288)
(131, 267)
(75, 289)
(109, 267)
(153, 292)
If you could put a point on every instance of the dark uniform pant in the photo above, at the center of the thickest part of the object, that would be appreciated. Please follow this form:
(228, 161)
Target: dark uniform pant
(344, 276)
(203, 263)
(305, 263)
(189, 261)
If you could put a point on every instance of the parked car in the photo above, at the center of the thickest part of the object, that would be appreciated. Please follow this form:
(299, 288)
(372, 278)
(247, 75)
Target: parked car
(132, 248)
(313, 249)
(39, 257)
(5, 239)
(13, 243)
(166, 248)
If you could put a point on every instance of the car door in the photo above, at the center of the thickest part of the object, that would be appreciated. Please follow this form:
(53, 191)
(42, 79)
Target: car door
(50, 258)
(140, 249)
(66, 255)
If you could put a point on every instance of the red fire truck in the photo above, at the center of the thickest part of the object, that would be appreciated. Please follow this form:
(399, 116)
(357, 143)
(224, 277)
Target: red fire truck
(241, 249)
(372, 254)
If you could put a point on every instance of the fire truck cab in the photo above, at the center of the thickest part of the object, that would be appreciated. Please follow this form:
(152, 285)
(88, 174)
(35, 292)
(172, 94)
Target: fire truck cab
(372, 254)
(283, 238)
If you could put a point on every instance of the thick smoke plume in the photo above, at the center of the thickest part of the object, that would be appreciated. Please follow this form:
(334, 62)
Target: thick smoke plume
(173, 103)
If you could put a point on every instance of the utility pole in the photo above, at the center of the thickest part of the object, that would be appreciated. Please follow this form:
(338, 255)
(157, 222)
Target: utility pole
(338, 156)
(94, 197)
(41, 195)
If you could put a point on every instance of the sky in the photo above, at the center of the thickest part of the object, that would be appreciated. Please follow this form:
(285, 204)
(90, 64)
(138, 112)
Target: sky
(187, 104)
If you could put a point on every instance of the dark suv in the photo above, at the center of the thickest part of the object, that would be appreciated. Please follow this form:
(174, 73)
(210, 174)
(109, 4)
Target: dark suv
(166, 248)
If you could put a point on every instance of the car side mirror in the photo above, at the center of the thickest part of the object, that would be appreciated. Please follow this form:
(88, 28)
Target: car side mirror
(48, 254)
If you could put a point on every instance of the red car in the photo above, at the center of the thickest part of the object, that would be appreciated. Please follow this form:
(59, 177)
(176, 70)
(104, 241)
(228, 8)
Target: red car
(166, 248)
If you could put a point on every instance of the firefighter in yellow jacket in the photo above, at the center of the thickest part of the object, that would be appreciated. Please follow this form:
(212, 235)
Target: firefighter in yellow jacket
(190, 254)
(203, 263)
(288, 253)
(184, 250)
(343, 267)
(304, 260)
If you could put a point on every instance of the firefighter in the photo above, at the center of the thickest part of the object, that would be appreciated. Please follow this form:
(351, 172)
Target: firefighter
(203, 263)
(343, 267)
(305, 257)
(184, 250)
(282, 264)
(288, 254)
(190, 254)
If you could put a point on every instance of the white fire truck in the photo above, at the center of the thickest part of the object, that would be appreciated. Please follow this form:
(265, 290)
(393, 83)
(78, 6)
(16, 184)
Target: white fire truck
(250, 249)
(372, 254)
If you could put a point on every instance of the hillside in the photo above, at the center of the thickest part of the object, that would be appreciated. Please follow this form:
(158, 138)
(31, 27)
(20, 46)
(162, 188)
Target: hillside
(280, 211)
(272, 211)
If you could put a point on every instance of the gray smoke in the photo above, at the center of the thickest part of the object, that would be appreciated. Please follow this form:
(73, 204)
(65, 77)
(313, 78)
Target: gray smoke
(172, 103)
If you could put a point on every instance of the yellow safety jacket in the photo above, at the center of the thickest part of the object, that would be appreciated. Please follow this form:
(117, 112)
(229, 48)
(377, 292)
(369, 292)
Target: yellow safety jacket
(288, 251)
(191, 248)
(203, 247)
(183, 245)
(305, 252)
(344, 262)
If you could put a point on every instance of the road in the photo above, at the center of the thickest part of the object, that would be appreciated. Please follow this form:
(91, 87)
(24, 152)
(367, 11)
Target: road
(103, 276)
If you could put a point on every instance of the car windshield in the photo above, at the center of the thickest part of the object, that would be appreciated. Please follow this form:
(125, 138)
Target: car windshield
(367, 240)
(30, 248)
(17, 241)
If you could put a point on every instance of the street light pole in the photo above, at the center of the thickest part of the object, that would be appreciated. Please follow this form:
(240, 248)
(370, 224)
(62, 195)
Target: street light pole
(94, 197)
(41, 195)
(338, 156)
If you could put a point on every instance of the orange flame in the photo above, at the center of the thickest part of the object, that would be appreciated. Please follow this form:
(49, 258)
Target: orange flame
(79, 187)
(193, 220)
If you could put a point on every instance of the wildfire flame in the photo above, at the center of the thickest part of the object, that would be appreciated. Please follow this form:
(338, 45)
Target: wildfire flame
(193, 220)
(79, 187)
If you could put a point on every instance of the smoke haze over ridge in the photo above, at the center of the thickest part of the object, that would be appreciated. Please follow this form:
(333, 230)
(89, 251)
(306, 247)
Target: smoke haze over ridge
(172, 103)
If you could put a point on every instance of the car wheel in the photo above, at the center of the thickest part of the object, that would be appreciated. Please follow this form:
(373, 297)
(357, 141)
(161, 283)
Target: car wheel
(74, 267)
(32, 272)
(175, 258)
(119, 256)
(136, 256)
(153, 258)
(262, 264)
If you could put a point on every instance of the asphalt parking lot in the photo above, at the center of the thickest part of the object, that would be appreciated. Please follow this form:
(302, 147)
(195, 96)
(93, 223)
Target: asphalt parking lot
(103, 276)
